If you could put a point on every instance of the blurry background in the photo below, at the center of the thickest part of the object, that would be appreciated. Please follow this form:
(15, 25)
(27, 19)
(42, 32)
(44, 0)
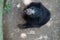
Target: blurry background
(12, 17)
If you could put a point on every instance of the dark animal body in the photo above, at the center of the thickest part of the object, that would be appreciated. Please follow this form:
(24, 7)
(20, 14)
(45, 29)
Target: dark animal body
(39, 18)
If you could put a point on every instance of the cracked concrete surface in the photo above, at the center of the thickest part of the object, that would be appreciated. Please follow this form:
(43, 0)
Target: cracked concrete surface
(49, 31)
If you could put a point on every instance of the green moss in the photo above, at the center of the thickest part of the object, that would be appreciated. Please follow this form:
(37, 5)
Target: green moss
(1, 13)
(7, 7)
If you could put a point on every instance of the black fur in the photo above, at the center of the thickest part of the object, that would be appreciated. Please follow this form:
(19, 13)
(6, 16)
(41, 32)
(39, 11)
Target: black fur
(41, 16)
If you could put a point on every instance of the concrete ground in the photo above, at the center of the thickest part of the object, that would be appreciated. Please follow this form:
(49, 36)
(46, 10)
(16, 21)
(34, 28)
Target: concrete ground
(49, 31)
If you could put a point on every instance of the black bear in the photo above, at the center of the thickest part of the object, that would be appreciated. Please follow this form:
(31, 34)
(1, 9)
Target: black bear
(35, 15)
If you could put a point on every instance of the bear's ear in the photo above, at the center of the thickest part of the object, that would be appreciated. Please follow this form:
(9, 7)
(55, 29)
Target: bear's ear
(35, 4)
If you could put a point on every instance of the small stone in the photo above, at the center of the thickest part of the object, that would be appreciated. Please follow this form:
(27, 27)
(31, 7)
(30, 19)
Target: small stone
(27, 2)
(48, 24)
(23, 35)
(18, 5)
